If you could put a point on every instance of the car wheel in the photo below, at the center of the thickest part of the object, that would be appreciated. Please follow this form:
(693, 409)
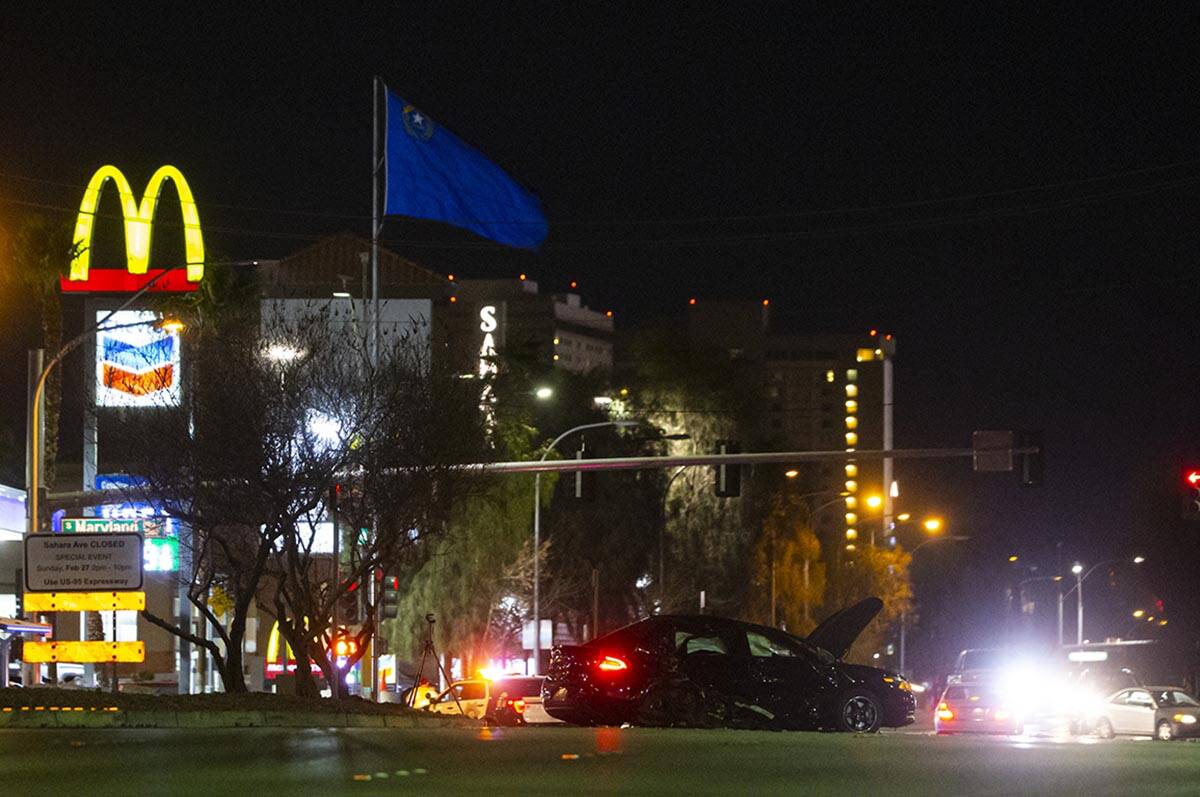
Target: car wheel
(671, 706)
(859, 712)
(1104, 728)
(1163, 732)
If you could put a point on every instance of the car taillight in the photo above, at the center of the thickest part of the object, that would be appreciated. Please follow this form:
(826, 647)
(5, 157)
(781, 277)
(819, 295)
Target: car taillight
(518, 706)
(612, 664)
(944, 712)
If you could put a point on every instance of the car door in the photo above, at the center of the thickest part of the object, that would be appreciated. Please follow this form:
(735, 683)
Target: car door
(468, 698)
(711, 657)
(782, 678)
(1136, 714)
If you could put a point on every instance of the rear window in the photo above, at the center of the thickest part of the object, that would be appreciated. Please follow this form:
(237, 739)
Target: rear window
(983, 660)
(971, 694)
(519, 687)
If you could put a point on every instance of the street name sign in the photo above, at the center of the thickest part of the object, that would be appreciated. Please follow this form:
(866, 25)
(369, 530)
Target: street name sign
(83, 562)
(108, 525)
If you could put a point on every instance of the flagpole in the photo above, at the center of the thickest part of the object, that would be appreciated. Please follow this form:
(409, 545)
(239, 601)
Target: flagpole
(375, 159)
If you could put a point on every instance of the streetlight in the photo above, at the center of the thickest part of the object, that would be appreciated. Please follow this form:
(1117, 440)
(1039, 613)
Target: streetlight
(537, 532)
(544, 393)
(932, 525)
(1080, 576)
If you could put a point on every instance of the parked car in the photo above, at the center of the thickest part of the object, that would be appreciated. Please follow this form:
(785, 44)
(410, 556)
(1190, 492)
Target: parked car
(517, 700)
(503, 701)
(1164, 712)
(976, 708)
(699, 671)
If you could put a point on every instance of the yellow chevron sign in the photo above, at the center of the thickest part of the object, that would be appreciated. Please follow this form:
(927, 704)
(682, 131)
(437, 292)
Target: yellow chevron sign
(84, 601)
(139, 219)
(84, 652)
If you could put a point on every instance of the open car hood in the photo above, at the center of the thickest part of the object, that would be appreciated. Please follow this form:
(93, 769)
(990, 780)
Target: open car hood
(838, 632)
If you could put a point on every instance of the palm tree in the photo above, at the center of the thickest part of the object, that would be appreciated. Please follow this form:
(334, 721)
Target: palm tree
(41, 251)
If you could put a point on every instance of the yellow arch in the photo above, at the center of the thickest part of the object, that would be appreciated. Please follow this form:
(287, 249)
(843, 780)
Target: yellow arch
(139, 220)
(273, 645)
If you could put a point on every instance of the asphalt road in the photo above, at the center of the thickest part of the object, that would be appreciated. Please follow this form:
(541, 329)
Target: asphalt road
(563, 760)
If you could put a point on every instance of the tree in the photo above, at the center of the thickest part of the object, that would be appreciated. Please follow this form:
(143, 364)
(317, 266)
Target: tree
(41, 251)
(472, 578)
(787, 568)
(277, 409)
(871, 571)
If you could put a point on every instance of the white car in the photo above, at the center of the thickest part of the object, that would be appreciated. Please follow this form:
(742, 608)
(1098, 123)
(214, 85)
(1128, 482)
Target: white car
(1164, 712)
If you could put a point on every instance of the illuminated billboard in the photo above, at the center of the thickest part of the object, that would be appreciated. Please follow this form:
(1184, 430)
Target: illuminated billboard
(138, 364)
(139, 223)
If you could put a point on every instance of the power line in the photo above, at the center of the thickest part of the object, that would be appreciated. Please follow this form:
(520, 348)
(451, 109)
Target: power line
(792, 214)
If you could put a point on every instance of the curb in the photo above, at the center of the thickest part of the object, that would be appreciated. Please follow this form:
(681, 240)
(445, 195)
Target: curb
(56, 717)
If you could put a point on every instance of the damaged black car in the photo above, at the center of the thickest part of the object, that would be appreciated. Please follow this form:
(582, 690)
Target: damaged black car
(703, 671)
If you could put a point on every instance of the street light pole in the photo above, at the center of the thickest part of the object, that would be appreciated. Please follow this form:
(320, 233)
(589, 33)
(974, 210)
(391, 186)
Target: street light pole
(662, 545)
(1080, 577)
(1077, 570)
(537, 534)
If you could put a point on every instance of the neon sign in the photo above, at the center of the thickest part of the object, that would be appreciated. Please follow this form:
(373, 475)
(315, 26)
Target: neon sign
(139, 220)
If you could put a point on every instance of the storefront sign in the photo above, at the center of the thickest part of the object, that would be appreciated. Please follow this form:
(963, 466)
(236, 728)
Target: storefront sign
(139, 221)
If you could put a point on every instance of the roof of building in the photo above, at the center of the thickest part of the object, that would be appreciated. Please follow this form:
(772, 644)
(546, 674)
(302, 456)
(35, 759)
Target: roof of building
(335, 263)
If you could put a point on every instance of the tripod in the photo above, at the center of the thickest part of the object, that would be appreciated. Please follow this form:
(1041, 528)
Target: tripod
(426, 651)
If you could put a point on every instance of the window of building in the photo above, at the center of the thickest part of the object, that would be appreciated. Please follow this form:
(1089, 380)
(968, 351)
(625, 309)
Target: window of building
(852, 375)
(852, 391)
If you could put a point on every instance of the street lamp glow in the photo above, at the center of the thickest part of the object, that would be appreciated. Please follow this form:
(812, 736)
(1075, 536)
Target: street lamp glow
(173, 325)
(1076, 568)
(791, 474)
(281, 352)
(903, 517)
(1137, 560)
(1140, 613)
(932, 525)
(1013, 558)
(544, 393)
(874, 501)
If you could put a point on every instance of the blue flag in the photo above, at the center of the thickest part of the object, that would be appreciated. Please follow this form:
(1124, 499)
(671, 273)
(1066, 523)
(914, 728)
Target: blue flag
(433, 174)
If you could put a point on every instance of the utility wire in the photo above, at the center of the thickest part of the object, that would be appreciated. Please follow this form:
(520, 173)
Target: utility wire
(953, 199)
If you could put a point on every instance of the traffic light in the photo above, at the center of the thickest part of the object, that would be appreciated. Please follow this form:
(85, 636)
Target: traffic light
(344, 645)
(1032, 464)
(1191, 494)
(389, 602)
(348, 607)
(728, 477)
(582, 483)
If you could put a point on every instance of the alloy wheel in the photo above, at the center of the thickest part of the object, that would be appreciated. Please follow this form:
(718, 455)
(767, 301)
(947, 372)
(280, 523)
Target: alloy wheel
(860, 714)
(1163, 733)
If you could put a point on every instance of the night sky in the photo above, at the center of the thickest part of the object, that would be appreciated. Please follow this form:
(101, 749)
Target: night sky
(1015, 195)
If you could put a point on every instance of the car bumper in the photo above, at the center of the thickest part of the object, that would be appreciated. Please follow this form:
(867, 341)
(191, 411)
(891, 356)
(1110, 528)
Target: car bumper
(899, 709)
(1181, 731)
(579, 706)
(990, 726)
